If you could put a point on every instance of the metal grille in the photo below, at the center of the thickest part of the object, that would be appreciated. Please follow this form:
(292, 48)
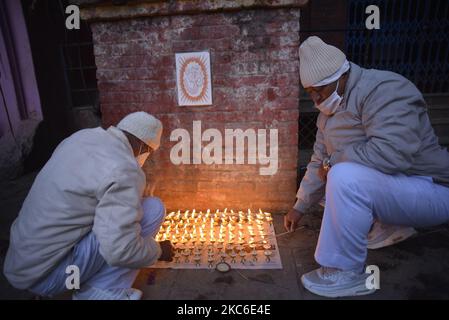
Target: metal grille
(307, 130)
(412, 40)
(79, 62)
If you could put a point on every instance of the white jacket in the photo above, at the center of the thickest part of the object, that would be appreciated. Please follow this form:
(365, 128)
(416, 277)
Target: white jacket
(92, 182)
(383, 124)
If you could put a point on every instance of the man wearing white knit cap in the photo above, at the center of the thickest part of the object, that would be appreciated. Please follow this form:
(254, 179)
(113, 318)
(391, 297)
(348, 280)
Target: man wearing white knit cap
(376, 161)
(85, 209)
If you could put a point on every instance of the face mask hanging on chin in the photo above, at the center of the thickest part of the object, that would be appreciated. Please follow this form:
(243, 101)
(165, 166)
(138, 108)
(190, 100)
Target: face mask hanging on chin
(142, 157)
(331, 103)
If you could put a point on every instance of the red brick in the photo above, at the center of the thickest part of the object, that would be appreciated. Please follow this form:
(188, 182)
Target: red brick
(255, 85)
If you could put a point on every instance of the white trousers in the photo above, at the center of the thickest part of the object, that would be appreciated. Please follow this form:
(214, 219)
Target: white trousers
(94, 271)
(356, 195)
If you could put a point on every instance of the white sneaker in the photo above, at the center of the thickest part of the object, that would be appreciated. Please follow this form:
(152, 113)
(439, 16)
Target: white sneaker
(333, 283)
(383, 235)
(92, 293)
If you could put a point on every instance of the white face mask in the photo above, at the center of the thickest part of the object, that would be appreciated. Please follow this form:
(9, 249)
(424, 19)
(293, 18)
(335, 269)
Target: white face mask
(142, 158)
(330, 105)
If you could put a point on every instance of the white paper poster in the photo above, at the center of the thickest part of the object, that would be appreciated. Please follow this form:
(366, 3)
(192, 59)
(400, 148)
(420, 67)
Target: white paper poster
(193, 79)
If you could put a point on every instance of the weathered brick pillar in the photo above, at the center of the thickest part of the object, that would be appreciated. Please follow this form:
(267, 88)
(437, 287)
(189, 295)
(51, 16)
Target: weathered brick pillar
(255, 84)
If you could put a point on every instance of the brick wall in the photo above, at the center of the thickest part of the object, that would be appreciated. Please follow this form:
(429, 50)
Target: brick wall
(255, 83)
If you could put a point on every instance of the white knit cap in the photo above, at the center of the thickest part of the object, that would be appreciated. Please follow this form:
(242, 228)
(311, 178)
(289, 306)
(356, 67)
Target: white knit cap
(345, 67)
(318, 61)
(143, 126)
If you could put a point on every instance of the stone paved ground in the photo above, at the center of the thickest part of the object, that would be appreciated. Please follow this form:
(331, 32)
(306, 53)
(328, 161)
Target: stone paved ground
(413, 269)
(410, 270)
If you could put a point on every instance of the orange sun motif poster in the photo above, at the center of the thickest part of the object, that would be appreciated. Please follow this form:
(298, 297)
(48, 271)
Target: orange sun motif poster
(193, 79)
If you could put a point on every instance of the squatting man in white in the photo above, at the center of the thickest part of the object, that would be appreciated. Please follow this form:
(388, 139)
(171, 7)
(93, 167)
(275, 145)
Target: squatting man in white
(86, 209)
(376, 162)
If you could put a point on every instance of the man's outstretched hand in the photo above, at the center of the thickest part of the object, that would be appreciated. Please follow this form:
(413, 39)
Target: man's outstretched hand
(292, 219)
(167, 251)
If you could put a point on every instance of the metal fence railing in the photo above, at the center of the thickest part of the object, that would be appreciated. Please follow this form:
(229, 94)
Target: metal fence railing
(413, 40)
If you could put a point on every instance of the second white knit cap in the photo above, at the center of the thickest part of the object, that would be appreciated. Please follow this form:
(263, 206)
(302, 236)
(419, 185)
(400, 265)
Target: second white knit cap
(318, 60)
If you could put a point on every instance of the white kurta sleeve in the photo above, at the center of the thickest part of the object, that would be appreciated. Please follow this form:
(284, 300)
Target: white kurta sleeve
(117, 221)
(312, 188)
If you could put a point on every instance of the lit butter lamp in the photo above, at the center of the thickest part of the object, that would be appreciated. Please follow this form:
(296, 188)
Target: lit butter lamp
(242, 256)
(268, 254)
(223, 256)
(177, 257)
(197, 259)
(254, 254)
(228, 233)
(233, 255)
(186, 255)
(210, 261)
